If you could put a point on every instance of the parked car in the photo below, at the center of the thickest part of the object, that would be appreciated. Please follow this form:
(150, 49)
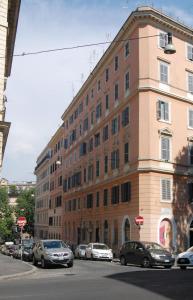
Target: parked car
(80, 251)
(185, 259)
(17, 251)
(98, 251)
(52, 252)
(27, 253)
(146, 254)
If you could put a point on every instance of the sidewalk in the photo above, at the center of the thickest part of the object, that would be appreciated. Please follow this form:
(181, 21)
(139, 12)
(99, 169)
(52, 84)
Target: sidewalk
(10, 267)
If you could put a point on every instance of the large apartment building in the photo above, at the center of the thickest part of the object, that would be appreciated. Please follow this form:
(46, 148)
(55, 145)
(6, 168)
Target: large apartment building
(125, 148)
(9, 12)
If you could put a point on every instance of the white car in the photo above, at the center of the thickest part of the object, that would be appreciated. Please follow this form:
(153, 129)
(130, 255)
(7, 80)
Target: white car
(80, 251)
(185, 259)
(98, 251)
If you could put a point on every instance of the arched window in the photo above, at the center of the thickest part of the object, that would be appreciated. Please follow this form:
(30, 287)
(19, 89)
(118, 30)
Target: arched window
(127, 230)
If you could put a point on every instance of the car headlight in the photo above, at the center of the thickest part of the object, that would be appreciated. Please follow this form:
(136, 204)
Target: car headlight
(156, 256)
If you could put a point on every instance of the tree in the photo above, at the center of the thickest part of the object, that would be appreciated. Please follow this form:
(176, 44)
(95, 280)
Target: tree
(25, 207)
(6, 216)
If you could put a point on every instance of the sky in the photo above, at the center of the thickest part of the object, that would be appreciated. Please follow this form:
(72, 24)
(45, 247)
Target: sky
(42, 86)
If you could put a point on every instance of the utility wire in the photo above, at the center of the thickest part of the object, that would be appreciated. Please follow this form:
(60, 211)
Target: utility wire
(81, 46)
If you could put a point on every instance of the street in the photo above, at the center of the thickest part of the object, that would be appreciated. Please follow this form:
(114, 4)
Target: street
(100, 280)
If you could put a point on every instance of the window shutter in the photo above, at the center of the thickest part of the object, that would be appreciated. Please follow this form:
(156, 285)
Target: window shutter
(158, 110)
(166, 189)
(190, 82)
(190, 52)
(190, 118)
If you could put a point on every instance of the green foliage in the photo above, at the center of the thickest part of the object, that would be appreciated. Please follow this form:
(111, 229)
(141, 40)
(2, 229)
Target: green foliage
(6, 216)
(25, 207)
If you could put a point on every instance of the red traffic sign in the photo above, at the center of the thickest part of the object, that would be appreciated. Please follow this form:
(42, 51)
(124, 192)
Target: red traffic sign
(21, 221)
(139, 220)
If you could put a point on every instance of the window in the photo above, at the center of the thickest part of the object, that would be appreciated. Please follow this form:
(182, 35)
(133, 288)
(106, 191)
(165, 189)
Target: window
(105, 199)
(92, 117)
(115, 126)
(115, 194)
(191, 153)
(87, 100)
(97, 168)
(106, 75)
(97, 139)
(92, 93)
(90, 172)
(162, 110)
(125, 117)
(116, 63)
(90, 145)
(164, 72)
(126, 191)
(165, 148)
(89, 200)
(190, 192)
(166, 190)
(126, 49)
(83, 149)
(126, 153)
(85, 124)
(190, 52)
(115, 159)
(97, 199)
(105, 133)
(116, 91)
(190, 118)
(80, 108)
(163, 39)
(99, 85)
(106, 164)
(98, 111)
(107, 101)
(190, 82)
(127, 82)
(84, 174)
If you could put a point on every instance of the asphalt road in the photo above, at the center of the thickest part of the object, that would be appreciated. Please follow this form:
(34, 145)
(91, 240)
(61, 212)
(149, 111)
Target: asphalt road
(100, 280)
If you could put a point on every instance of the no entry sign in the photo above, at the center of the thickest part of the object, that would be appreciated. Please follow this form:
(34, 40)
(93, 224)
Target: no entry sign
(139, 220)
(21, 221)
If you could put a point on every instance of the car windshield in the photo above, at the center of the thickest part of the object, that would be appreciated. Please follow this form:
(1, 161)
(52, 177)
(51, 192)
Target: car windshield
(83, 247)
(100, 247)
(153, 246)
(190, 249)
(54, 245)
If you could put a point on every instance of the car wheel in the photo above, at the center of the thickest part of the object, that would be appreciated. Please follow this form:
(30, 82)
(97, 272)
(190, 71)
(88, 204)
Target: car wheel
(91, 257)
(70, 264)
(123, 261)
(146, 262)
(183, 267)
(34, 261)
(167, 267)
(43, 263)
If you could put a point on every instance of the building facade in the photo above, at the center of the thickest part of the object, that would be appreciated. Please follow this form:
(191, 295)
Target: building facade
(9, 12)
(126, 144)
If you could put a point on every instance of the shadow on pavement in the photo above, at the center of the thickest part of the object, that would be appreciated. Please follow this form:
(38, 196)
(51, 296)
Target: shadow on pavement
(174, 284)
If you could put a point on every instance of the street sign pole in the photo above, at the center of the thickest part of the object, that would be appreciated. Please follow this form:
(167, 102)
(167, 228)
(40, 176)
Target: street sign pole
(21, 235)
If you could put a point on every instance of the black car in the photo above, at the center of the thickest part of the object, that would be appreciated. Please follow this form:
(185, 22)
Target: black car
(27, 253)
(146, 254)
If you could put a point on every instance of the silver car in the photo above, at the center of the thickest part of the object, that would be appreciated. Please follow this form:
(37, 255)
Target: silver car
(80, 251)
(54, 252)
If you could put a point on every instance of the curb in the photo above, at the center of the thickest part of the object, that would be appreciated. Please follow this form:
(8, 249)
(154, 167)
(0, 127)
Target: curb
(33, 269)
